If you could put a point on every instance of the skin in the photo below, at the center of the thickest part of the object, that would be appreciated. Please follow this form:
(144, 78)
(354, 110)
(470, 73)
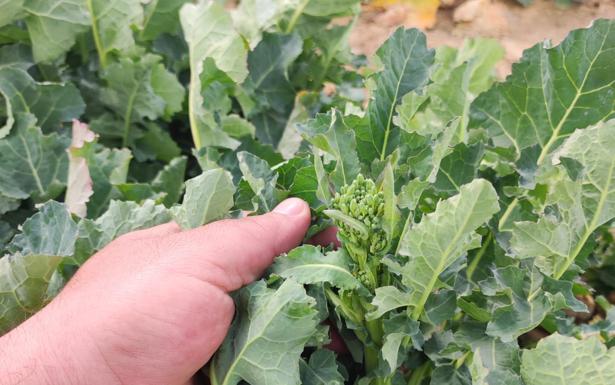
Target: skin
(152, 307)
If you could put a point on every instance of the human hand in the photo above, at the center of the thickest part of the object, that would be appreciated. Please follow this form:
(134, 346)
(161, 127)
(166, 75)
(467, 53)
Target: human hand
(150, 308)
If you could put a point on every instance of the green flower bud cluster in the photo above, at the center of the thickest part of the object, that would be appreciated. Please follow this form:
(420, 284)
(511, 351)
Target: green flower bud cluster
(363, 277)
(362, 201)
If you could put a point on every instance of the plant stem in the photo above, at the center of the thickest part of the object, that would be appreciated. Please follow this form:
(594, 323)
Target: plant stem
(472, 266)
(295, 16)
(347, 311)
(507, 213)
(192, 95)
(102, 57)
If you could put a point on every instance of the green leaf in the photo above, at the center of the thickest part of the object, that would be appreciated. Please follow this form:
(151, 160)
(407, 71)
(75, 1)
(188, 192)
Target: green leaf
(209, 32)
(552, 91)
(208, 197)
(388, 298)
(10, 10)
(138, 192)
(321, 369)
(111, 22)
(32, 164)
(450, 375)
(24, 280)
(308, 265)
(459, 167)
(398, 331)
(8, 204)
(51, 231)
(582, 205)
(483, 376)
(268, 84)
(155, 143)
(323, 191)
(278, 322)
(237, 127)
(495, 357)
(138, 89)
(170, 180)
(120, 218)
(64, 20)
(442, 237)
(51, 103)
(406, 61)
(54, 26)
(391, 217)
(330, 134)
(560, 360)
(262, 181)
(252, 17)
(305, 185)
(107, 168)
(166, 86)
(161, 16)
(526, 306)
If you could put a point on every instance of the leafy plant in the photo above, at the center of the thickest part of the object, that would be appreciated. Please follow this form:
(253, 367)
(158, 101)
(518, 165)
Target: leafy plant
(472, 214)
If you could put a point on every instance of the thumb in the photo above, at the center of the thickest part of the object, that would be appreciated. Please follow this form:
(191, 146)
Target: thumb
(232, 253)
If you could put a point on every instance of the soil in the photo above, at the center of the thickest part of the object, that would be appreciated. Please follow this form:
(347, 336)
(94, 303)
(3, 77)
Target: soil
(514, 26)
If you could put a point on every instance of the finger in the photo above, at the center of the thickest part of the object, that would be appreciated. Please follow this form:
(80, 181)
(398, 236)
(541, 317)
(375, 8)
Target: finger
(325, 238)
(233, 253)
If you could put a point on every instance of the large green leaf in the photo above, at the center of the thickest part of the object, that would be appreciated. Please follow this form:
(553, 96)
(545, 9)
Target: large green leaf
(120, 218)
(267, 337)
(161, 16)
(442, 237)
(32, 164)
(63, 20)
(252, 17)
(208, 197)
(560, 360)
(54, 25)
(388, 298)
(24, 280)
(10, 10)
(269, 86)
(526, 304)
(138, 89)
(51, 103)
(111, 22)
(552, 91)
(210, 34)
(583, 203)
(406, 62)
(51, 231)
(307, 265)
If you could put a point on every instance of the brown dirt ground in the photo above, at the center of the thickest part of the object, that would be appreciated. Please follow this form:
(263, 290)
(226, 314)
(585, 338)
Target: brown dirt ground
(515, 26)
